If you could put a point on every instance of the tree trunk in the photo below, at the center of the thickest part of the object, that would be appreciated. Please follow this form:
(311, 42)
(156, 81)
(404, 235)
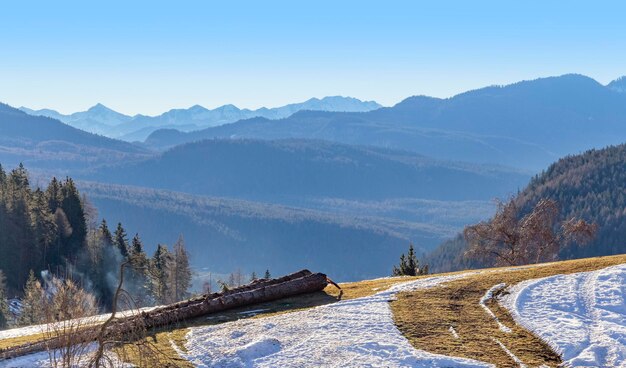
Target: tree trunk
(258, 291)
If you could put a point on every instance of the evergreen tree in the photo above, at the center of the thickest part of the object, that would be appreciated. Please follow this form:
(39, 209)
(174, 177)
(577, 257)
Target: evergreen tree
(31, 302)
(105, 233)
(253, 276)
(53, 194)
(3, 176)
(409, 265)
(19, 177)
(73, 208)
(136, 248)
(21, 245)
(161, 275)
(44, 228)
(105, 264)
(267, 275)
(4, 306)
(121, 240)
(139, 281)
(181, 271)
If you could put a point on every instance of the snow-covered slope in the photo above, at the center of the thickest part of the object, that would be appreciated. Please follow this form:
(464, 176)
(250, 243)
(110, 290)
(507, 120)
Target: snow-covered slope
(39, 329)
(358, 332)
(582, 316)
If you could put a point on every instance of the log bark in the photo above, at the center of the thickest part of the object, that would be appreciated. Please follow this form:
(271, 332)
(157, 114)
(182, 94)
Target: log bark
(259, 291)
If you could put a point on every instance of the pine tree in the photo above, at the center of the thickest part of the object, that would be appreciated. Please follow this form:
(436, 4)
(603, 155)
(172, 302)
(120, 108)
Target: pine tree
(253, 276)
(106, 262)
(21, 244)
(3, 176)
(4, 306)
(31, 303)
(53, 194)
(44, 228)
(75, 212)
(182, 271)
(267, 275)
(105, 233)
(409, 265)
(121, 240)
(19, 177)
(161, 275)
(138, 279)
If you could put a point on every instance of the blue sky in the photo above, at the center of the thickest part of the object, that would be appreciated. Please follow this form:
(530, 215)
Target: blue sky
(148, 57)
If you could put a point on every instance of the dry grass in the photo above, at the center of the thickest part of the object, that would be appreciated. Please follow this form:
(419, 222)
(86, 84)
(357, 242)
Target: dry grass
(15, 341)
(162, 339)
(425, 316)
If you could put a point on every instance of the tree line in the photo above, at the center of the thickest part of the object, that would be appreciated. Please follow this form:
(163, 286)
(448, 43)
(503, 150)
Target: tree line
(588, 187)
(54, 231)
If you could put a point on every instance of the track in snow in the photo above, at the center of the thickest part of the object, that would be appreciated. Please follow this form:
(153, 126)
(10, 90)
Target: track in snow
(582, 316)
(357, 332)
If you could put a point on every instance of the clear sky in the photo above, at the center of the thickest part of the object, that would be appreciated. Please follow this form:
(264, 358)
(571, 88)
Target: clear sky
(148, 57)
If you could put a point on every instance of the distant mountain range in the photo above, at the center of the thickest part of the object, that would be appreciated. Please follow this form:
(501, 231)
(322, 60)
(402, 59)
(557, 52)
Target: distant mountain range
(527, 124)
(277, 199)
(46, 143)
(104, 121)
(350, 181)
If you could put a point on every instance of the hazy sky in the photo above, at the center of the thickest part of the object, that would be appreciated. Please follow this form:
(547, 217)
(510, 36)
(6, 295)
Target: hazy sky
(148, 57)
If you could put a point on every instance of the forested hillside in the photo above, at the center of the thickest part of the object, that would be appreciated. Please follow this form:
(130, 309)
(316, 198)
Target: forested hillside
(53, 232)
(527, 124)
(224, 234)
(591, 186)
(39, 229)
(287, 170)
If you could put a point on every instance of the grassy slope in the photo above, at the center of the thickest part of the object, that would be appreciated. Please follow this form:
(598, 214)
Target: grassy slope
(423, 316)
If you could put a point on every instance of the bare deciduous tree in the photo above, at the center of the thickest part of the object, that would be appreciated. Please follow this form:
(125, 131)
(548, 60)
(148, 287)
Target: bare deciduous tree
(509, 239)
(116, 346)
(68, 311)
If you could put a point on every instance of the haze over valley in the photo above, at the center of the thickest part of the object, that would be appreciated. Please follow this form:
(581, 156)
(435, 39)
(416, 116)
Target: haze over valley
(312, 184)
(418, 171)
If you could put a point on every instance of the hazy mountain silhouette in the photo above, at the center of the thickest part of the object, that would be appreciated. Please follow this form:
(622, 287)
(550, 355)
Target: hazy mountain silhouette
(527, 124)
(102, 120)
(45, 142)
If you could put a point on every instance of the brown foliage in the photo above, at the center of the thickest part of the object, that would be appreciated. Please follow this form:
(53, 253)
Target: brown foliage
(511, 239)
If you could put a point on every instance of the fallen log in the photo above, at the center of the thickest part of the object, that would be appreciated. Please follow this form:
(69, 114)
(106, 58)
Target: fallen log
(259, 291)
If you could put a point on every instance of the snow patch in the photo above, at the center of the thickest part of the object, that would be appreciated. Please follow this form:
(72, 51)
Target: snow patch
(488, 295)
(582, 316)
(42, 360)
(453, 332)
(357, 332)
(37, 329)
(509, 353)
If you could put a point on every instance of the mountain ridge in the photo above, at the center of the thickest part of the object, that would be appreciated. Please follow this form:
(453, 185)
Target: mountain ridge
(304, 168)
(103, 120)
(46, 142)
(513, 125)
